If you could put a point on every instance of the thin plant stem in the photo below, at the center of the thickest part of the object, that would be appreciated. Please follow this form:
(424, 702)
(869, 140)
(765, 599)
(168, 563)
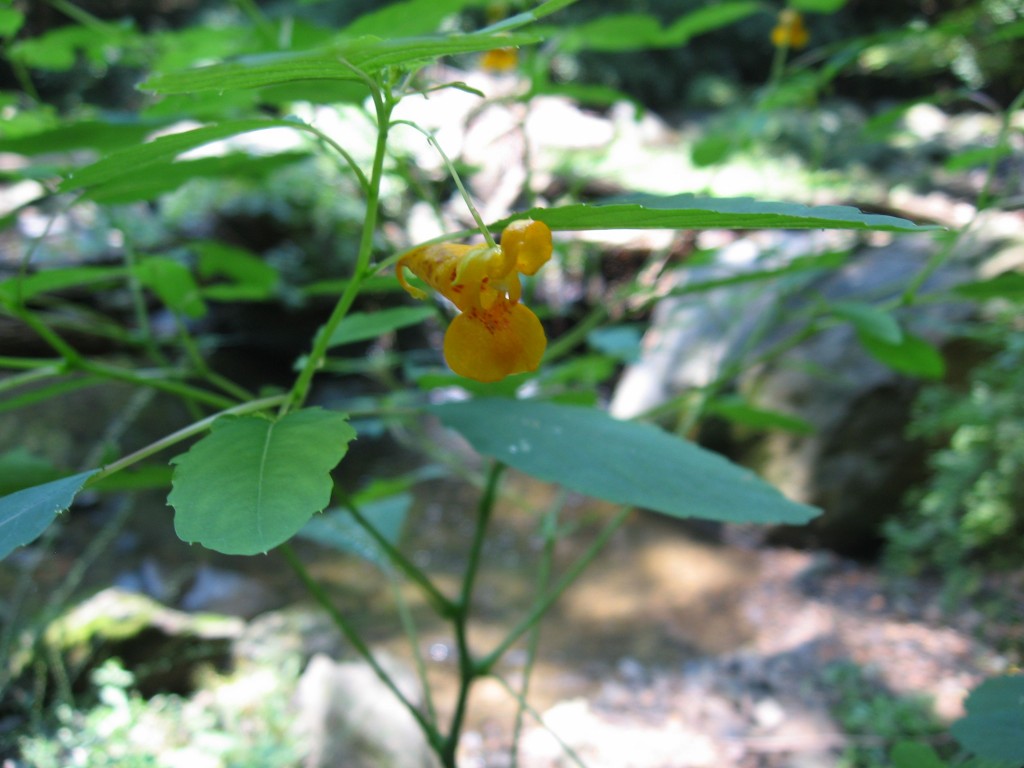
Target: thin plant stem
(444, 607)
(469, 671)
(455, 177)
(550, 529)
(541, 605)
(183, 434)
(300, 390)
(37, 374)
(526, 707)
(320, 595)
(409, 627)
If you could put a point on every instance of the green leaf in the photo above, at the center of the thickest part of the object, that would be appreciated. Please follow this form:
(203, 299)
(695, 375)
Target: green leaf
(344, 60)
(339, 530)
(817, 6)
(59, 49)
(163, 150)
(24, 515)
(994, 726)
(687, 211)
(908, 754)
(738, 411)
(360, 326)
(708, 19)
(253, 483)
(250, 277)
(10, 21)
(20, 469)
(619, 32)
(403, 19)
(1008, 285)
(712, 149)
(149, 183)
(869, 320)
(173, 283)
(619, 341)
(101, 135)
(52, 280)
(970, 158)
(913, 355)
(626, 462)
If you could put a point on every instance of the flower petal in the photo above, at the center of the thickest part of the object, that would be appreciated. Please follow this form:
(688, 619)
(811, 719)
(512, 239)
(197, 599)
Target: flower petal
(488, 346)
(528, 244)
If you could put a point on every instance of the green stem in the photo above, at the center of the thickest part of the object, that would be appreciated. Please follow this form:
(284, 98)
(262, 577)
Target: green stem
(27, 363)
(541, 606)
(409, 627)
(550, 529)
(37, 374)
(177, 388)
(455, 176)
(320, 595)
(300, 390)
(469, 671)
(444, 607)
(525, 706)
(182, 434)
(577, 334)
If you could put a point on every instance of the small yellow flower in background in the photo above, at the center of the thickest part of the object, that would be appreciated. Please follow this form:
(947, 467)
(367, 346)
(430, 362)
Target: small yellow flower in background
(790, 31)
(494, 336)
(500, 60)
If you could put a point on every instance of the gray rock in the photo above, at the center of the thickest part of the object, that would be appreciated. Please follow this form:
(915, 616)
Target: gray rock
(352, 719)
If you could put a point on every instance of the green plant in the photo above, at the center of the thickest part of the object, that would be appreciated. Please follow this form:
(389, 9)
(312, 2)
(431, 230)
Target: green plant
(968, 518)
(265, 466)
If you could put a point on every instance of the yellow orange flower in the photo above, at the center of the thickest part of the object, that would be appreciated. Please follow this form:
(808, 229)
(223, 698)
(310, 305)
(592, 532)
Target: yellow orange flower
(500, 60)
(790, 31)
(494, 336)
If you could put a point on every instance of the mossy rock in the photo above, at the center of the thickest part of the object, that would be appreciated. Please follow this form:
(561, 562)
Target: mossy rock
(162, 647)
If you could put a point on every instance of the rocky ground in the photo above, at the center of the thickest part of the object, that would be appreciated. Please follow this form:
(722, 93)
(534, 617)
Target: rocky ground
(772, 703)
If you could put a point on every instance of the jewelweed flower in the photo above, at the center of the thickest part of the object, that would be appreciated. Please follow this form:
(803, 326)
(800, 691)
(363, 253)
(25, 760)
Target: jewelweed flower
(500, 60)
(790, 31)
(493, 336)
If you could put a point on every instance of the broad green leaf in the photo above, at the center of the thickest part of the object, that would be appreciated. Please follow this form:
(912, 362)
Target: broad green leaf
(993, 728)
(1008, 285)
(912, 355)
(708, 19)
(690, 212)
(341, 61)
(869, 320)
(337, 528)
(619, 341)
(637, 31)
(738, 411)
(253, 482)
(817, 6)
(969, 158)
(360, 326)
(711, 149)
(24, 515)
(626, 462)
(101, 135)
(149, 183)
(1008, 31)
(250, 277)
(163, 150)
(613, 33)
(406, 18)
(173, 283)
(10, 21)
(59, 49)
(908, 754)
(52, 280)
(20, 469)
